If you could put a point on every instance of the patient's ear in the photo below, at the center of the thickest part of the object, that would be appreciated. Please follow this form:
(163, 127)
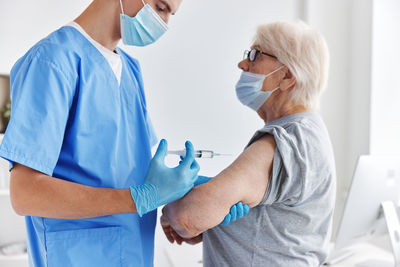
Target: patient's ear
(288, 82)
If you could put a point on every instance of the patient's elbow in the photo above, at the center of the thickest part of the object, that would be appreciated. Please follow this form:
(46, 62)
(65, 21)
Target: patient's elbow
(187, 225)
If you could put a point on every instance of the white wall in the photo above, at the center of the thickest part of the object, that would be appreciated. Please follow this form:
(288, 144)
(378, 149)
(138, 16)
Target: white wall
(360, 83)
(385, 95)
(335, 103)
(360, 106)
(24, 22)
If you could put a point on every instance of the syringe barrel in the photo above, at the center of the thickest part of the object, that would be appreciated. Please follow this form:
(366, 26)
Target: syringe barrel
(200, 153)
(197, 153)
(204, 154)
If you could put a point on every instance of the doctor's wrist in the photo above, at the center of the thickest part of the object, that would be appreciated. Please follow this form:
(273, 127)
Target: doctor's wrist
(124, 201)
(145, 197)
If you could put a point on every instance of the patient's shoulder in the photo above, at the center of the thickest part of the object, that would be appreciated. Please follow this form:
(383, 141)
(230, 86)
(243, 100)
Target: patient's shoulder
(253, 168)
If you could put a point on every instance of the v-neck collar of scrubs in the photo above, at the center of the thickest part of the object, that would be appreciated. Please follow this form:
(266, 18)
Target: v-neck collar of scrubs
(113, 58)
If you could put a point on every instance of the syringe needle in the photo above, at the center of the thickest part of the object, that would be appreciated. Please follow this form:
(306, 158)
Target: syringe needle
(197, 153)
(220, 154)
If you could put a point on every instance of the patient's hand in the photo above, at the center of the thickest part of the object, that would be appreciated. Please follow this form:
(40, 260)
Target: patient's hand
(174, 236)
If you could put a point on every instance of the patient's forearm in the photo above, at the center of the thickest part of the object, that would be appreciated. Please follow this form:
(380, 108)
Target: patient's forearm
(192, 215)
(197, 212)
(201, 209)
(245, 180)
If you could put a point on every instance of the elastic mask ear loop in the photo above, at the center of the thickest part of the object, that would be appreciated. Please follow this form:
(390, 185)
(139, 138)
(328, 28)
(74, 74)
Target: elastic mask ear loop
(143, 3)
(122, 8)
(281, 67)
(269, 74)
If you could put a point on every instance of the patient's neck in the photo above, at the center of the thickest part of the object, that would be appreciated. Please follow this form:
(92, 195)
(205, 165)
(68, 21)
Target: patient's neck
(273, 112)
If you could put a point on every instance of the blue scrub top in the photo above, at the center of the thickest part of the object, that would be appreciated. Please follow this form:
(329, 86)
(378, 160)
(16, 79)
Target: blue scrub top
(71, 120)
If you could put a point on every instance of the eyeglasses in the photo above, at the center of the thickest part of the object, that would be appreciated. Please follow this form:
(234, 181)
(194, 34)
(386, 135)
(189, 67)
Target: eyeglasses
(253, 54)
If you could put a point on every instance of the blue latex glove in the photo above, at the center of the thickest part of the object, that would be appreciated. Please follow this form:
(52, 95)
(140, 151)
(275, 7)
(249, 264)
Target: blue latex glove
(163, 185)
(202, 180)
(237, 211)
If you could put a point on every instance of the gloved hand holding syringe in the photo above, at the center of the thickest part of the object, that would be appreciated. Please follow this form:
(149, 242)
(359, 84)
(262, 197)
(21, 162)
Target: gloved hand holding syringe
(197, 153)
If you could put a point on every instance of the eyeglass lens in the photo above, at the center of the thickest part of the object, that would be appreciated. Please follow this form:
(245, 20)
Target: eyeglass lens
(251, 55)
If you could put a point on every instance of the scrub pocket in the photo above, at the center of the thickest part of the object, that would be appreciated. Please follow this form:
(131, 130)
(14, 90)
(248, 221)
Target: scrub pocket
(85, 247)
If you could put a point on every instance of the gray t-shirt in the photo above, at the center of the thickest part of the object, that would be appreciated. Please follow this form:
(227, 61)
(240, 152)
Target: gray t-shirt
(292, 224)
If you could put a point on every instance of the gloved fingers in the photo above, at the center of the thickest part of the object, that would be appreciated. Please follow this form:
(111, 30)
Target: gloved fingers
(239, 208)
(188, 159)
(197, 182)
(181, 160)
(195, 166)
(193, 180)
(205, 179)
(226, 220)
(161, 151)
(202, 180)
(246, 209)
(233, 213)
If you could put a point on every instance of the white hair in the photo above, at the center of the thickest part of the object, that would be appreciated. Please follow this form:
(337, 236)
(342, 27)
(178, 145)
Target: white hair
(304, 51)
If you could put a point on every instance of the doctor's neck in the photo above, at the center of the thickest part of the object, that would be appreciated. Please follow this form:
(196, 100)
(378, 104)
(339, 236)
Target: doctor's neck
(101, 21)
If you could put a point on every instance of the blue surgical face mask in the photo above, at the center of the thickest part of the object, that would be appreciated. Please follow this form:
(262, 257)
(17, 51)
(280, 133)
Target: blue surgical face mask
(143, 29)
(248, 89)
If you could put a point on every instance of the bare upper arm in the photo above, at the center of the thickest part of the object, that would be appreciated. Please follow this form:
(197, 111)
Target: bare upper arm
(250, 172)
(22, 183)
(246, 180)
(22, 175)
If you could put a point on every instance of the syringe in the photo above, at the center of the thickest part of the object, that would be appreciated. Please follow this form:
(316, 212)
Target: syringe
(197, 153)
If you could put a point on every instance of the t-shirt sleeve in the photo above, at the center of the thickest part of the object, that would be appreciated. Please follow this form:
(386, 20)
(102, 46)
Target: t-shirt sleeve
(286, 183)
(41, 97)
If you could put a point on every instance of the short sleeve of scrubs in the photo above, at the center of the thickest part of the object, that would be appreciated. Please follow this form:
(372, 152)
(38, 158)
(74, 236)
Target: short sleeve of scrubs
(41, 97)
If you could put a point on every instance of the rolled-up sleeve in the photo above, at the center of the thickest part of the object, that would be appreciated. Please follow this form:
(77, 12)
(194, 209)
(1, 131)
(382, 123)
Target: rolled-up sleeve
(286, 182)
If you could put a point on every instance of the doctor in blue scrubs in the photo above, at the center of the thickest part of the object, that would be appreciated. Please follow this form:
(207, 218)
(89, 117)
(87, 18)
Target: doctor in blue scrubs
(79, 141)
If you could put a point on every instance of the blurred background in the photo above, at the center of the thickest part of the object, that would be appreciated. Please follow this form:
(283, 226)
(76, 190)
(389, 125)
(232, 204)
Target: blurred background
(190, 73)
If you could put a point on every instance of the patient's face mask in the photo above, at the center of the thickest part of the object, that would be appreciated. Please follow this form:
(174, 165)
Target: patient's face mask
(248, 89)
(143, 29)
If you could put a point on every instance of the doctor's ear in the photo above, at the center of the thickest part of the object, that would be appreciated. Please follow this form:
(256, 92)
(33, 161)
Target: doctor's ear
(288, 82)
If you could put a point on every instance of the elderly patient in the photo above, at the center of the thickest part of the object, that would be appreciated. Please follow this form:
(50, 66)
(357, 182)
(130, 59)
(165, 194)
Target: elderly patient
(286, 174)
